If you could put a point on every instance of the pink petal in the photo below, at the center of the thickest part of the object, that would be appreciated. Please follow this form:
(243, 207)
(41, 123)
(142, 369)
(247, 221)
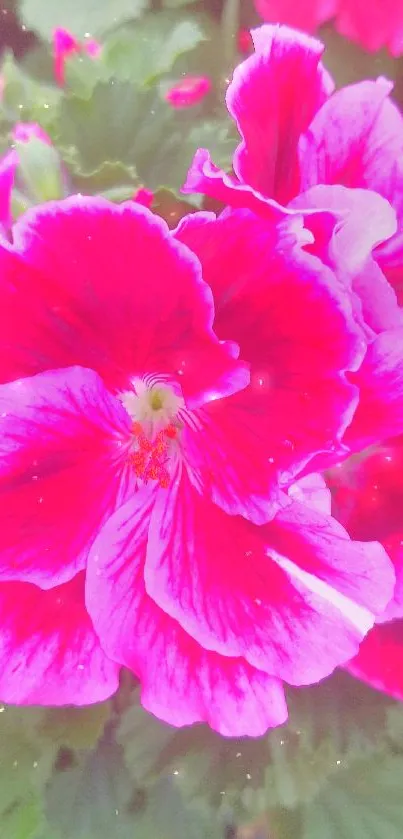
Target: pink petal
(356, 139)
(380, 380)
(270, 111)
(375, 25)
(97, 277)
(62, 440)
(379, 662)
(206, 178)
(312, 490)
(304, 14)
(49, 652)
(365, 220)
(219, 578)
(293, 322)
(227, 451)
(188, 91)
(64, 45)
(181, 682)
(8, 165)
(319, 545)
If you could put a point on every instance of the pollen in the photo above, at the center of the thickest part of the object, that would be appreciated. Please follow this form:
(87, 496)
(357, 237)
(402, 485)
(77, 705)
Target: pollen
(149, 459)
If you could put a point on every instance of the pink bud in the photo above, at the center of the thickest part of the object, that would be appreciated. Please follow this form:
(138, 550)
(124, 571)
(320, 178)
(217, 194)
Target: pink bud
(144, 196)
(64, 45)
(92, 47)
(188, 92)
(25, 131)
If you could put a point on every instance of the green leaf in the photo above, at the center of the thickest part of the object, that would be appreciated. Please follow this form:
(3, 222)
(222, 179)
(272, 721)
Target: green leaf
(23, 819)
(92, 798)
(79, 16)
(143, 52)
(27, 100)
(118, 123)
(362, 802)
(75, 727)
(109, 178)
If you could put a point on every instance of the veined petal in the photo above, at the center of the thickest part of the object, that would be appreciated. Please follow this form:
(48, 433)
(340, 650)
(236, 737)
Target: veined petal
(49, 652)
(220, 579)
(90, 283)
(269, 110)
(63, 448)
(182, 683)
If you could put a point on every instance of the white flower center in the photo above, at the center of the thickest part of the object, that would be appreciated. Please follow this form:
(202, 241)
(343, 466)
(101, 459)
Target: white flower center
(153, 407)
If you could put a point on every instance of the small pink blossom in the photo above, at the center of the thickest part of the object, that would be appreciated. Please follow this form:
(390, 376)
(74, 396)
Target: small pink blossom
(372, 25)
(65, 45)
(153, 464)
(189, 91)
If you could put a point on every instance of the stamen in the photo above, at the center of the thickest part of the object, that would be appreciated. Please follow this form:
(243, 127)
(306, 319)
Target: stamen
(149, 459)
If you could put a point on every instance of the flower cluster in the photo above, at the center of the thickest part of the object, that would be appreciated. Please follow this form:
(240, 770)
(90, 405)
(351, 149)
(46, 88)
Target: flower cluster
(168, 399)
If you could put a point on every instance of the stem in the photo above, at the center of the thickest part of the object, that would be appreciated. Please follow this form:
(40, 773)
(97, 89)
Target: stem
(230, 21)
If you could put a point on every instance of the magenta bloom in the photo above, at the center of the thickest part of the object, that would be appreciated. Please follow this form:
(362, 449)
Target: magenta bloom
(335, 153)
(372, 25)
(65, 45)
(189, 91)
(142, 453)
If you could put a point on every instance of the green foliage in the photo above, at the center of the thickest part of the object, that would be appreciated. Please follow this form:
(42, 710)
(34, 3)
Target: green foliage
(143, 52)
(79, 16)
(25, 99)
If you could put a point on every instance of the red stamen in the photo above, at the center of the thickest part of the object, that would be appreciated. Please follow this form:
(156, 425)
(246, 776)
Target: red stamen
(148, 461)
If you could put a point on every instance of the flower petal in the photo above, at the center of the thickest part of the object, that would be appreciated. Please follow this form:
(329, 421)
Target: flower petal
(320, 546)
(62, 461)
(181, 682)
(379, 662)
(356, 139)
(379, 414)
(49, 652)
(293, 321)
(373, 26)
(206, 178)
(269, 110)
(8, 165)
(219, 578)
(96, 276)
(306, 14)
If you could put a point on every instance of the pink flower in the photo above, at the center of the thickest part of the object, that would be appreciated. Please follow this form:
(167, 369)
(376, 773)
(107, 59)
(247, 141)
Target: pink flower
(367, 498)
(335, 158)
(372, 25)
(65, 45)
(141, 450)
(189, 91)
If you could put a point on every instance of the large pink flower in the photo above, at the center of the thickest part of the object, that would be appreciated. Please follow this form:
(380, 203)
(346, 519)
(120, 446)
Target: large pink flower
(324, 152)
(137, 448)
(372, 25)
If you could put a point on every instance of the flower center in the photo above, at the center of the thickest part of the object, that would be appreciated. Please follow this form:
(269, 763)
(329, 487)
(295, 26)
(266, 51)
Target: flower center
(153, 407)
